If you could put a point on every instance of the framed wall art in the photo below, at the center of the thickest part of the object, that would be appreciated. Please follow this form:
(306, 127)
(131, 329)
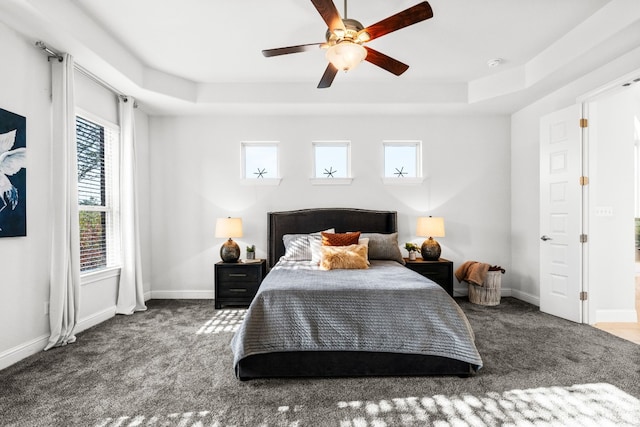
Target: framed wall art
(13, 174)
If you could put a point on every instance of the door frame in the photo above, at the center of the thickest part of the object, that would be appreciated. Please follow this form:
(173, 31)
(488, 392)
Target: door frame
(584, 258)
(588, 309)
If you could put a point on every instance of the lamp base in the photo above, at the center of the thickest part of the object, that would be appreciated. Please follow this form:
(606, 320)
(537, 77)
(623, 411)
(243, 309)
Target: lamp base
(430, 250)
(230, 251)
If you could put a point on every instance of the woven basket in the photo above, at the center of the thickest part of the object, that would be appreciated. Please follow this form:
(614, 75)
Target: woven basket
(489, 294)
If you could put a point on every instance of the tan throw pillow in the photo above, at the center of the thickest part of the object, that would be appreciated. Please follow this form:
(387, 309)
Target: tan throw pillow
(340, 239)
(344, 257)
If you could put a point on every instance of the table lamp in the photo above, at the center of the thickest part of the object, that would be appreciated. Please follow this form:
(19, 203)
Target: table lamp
(430, 227)
(229, 227)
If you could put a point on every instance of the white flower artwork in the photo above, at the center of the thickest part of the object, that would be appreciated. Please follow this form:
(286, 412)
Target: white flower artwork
(13, 162)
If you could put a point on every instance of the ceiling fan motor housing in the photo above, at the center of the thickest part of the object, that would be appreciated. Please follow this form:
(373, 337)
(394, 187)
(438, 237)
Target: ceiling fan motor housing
(352, 27)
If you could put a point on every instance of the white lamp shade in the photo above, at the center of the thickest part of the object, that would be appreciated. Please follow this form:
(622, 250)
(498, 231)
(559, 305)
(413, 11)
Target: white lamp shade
(346, 56)
(430, 226)
(229, 227)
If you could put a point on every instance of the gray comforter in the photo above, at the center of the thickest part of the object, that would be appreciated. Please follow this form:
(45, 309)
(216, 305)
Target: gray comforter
(386, 308)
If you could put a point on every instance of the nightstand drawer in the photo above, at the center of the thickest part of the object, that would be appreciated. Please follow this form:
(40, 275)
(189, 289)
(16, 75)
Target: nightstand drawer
(435, 272)
(237, 290)
(238, 275)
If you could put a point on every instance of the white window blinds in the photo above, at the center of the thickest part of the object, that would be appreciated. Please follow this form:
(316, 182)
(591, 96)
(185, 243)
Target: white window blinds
(97, 147)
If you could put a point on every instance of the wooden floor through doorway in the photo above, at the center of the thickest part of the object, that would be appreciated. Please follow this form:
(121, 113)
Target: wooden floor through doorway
(628, 331)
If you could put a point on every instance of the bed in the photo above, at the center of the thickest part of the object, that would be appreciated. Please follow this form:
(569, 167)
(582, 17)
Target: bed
(379, 321)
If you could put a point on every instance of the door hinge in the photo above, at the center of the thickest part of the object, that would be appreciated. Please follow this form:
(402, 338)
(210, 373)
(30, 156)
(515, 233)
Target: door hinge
(583, 296)
(584, 180)
(583, 238)
(584, 123)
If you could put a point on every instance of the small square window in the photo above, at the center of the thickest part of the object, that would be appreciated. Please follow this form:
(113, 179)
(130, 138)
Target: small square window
(332, 159)
(260, 160)
(402, 159)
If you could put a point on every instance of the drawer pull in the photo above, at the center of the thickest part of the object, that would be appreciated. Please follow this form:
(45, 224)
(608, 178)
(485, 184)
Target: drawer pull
(237, 274)
(238, 290)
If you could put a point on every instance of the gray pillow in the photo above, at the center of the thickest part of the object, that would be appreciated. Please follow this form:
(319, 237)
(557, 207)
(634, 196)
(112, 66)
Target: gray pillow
(384, 246)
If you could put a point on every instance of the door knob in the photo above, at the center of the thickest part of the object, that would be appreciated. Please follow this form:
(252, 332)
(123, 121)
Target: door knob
(545, 238)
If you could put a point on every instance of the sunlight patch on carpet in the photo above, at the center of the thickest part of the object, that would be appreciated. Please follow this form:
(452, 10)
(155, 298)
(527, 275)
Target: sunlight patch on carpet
(597, 405)
(223, 321)
(190, 419)
(579, 405)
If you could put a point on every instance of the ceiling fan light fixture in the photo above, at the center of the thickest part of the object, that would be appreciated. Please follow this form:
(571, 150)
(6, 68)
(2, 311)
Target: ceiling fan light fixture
(346, 56)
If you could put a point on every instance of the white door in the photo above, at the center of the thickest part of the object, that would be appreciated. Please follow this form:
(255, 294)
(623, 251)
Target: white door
(561, 214)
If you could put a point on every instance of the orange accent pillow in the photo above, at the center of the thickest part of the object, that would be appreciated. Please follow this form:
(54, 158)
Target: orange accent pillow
(344, 257)
(340, 239)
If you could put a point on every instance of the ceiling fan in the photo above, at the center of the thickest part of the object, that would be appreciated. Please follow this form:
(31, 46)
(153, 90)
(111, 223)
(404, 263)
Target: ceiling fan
(345, 39)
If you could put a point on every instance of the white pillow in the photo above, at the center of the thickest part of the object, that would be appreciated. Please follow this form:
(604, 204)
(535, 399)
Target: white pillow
(364, 241)
(298, 247)
(315, 242)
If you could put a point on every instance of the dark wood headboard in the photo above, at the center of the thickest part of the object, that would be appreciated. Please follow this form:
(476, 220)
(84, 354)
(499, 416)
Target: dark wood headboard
(305, 221)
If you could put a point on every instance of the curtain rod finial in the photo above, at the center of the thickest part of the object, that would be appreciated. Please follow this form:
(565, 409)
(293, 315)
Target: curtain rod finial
(51, 54)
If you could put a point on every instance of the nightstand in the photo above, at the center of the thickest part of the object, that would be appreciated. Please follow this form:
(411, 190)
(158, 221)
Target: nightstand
(440, 271)
(236, 283)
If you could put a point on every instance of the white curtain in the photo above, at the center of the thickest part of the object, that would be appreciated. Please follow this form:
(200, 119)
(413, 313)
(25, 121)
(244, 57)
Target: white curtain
(130, 289)
(64, 284)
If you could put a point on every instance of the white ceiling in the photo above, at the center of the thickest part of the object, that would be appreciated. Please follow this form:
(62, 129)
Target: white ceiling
(221, 41)
(189, 56)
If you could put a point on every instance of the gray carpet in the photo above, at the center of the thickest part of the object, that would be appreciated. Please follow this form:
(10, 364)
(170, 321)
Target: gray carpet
(171, 365)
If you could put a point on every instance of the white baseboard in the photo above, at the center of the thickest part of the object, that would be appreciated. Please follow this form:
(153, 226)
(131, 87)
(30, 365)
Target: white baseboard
(616, 316)
(526, 297)
(95, 319)
(16, 354)
(36, 345)
(182, 294)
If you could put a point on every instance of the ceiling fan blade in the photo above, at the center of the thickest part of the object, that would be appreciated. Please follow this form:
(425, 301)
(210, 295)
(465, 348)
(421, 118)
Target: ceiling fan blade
(413, 15)
(328, 76)
(386, 62)
(291, 49)
(330, 14)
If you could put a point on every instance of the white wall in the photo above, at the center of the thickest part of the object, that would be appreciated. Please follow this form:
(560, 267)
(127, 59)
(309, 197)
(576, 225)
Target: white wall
(24, 289)
(24, 261)
(525, 204)
(195, 175)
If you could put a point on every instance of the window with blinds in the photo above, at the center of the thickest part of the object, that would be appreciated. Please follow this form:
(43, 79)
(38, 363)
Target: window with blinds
(97, 149)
